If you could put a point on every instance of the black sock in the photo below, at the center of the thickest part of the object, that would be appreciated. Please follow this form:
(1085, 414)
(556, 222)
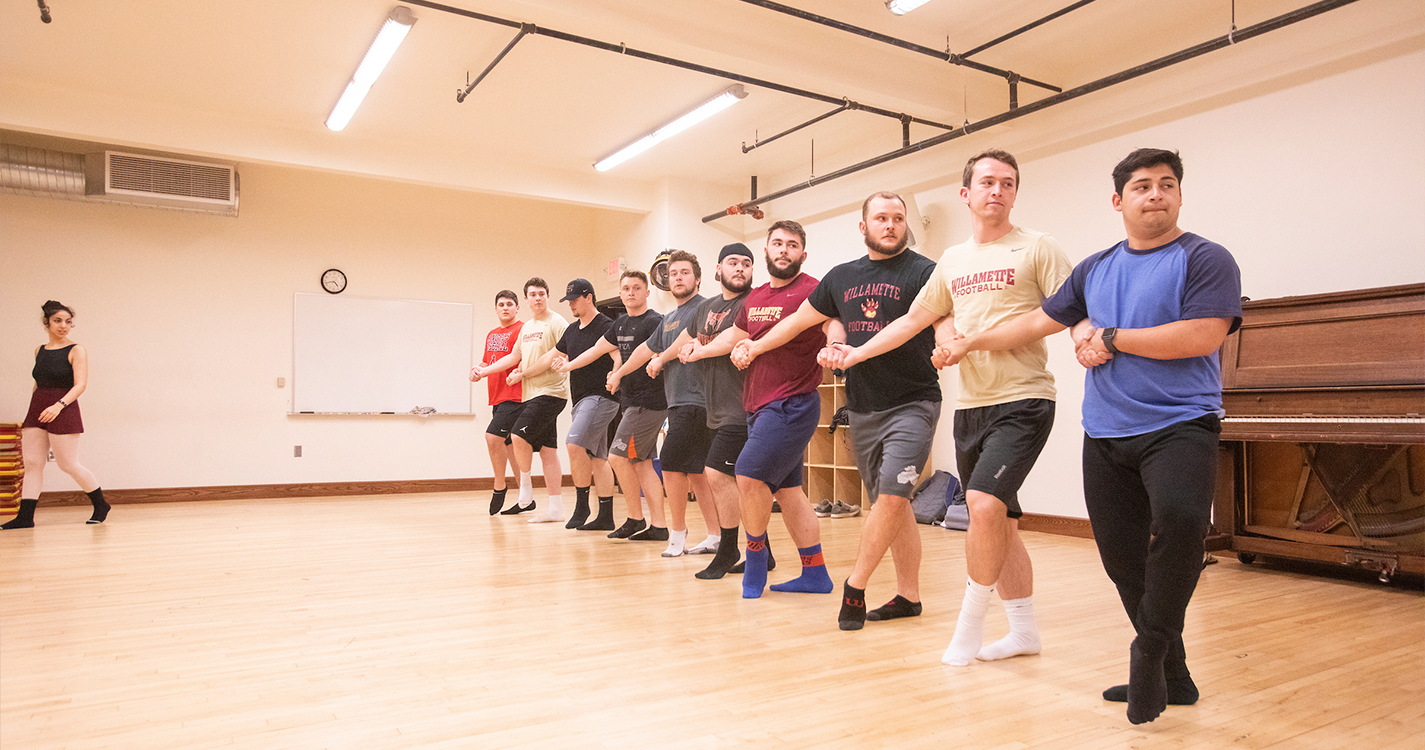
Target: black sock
(726, 557)
(853, 608)
(25, 519)
(630, 527)
(897, 607)
(1182, 691)
(581, 508)
(1147, 686)
(497, 501)
(605, 520)
(517, 509)
(771, 561)
(651, 534)
(101, 508)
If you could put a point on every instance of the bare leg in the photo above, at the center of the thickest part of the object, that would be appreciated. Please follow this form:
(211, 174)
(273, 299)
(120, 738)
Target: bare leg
(727, 498)
(628, 480)
(1016, 578)
(986, 547)
(652, 492)
(707, 502)
(885, 523)
(581, 465)
(676, 482)
(499, 458)
(603, 477)
(798, 516)
(756, 505)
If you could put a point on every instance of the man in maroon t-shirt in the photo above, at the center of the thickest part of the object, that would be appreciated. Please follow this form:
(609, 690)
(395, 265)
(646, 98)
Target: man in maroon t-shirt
(505, 398)
(781, 399)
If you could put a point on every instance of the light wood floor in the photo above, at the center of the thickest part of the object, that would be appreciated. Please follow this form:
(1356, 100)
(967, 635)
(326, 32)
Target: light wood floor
(418, 621)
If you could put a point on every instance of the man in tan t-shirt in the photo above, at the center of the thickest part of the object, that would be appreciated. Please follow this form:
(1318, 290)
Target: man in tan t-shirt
(1006, 402)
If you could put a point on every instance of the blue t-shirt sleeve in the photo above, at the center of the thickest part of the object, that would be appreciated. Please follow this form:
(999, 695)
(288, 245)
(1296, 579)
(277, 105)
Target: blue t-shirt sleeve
(1069, 305)
(822, 299)
(1213, 288)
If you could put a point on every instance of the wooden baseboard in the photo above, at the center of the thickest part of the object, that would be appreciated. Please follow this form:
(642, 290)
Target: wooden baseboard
(1061, 525)
(1047, 524)
(280, 491)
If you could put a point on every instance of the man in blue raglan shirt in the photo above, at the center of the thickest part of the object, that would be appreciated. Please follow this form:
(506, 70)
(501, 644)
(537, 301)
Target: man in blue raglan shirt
(1149, 315)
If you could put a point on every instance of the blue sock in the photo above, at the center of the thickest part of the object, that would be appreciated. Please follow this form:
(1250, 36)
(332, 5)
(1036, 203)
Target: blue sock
(814, 578)
(754, 573)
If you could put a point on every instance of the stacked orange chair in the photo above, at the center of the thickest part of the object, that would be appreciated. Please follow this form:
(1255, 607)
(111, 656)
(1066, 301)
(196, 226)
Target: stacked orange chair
(12, 468)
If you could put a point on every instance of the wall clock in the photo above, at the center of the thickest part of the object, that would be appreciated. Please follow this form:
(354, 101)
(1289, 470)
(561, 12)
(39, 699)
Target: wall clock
(333, 280)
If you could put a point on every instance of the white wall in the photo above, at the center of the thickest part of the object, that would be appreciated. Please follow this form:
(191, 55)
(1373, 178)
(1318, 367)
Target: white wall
(188, 319)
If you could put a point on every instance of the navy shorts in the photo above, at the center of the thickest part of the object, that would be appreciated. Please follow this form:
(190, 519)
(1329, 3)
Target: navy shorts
(996, 446)
(777, 437)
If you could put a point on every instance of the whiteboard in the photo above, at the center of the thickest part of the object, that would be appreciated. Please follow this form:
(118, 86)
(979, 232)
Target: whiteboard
(359, 355)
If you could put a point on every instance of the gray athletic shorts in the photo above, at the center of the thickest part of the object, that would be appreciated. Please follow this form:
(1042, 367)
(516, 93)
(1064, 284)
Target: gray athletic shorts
(893, 446)
(589, 424)
(637, 437)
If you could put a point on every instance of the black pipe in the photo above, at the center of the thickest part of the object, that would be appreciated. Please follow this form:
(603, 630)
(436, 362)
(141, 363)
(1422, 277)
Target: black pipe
(844, 107)
(1237, 35)
(903, 44)
(625, 50)
(524, 29)
(1027, 27)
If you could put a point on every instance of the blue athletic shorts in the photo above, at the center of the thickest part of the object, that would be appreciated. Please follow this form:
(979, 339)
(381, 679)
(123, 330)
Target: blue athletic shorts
(777, 437)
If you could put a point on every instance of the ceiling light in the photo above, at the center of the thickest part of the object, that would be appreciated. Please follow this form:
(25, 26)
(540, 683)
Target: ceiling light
(727, 98)
(392, 33)
(902, 7)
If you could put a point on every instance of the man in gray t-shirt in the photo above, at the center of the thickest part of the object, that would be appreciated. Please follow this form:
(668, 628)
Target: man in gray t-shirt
(685, 447)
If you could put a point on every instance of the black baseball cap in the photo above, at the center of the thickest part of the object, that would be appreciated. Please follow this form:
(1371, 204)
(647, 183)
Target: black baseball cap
(736, 248)
(576, 289)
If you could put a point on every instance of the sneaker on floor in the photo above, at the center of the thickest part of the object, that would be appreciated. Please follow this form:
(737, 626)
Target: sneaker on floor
(842, 510)
(823, 508)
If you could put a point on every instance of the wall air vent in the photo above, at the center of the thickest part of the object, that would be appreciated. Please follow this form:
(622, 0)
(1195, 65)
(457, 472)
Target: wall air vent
(171, 183)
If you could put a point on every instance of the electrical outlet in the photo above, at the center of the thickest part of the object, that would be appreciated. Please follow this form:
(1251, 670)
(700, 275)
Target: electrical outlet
(296, 451)
(282, 382)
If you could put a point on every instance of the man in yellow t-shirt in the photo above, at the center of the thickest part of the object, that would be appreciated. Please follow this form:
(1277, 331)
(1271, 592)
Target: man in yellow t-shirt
(1005, 407)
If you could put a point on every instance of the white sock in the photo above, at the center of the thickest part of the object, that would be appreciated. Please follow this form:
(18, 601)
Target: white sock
(711, 544)
(970, 629)
(526, 489)
(554, 510)
(675, 543)
(1023, 635)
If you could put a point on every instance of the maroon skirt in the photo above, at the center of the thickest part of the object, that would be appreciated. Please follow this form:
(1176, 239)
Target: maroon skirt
(67, 423)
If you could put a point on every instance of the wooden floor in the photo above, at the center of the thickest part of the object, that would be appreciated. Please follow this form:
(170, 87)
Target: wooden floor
(418, 621)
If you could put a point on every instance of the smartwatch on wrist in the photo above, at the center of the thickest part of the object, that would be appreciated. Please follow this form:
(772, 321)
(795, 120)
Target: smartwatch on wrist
(1108, 335)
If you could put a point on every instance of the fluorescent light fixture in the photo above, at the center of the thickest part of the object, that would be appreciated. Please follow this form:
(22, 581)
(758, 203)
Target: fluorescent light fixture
(732, 95)
(392, 33)
(902, 7)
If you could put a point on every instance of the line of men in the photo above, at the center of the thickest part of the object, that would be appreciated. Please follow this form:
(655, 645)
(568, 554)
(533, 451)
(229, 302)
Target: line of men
(739, 373)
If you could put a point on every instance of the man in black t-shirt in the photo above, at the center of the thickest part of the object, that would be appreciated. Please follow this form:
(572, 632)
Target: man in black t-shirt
(893, 400)
(594, 408)
(645, 409)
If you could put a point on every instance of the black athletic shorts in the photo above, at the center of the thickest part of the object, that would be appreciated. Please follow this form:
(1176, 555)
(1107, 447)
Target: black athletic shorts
(506, 413)
(726, 446)
(538, 423)
(685, 447)
(996, 446)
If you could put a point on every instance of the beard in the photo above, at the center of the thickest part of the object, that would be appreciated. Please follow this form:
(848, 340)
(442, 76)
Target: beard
(739, 288)
(874, 245)
(790, 272)
(690, 291)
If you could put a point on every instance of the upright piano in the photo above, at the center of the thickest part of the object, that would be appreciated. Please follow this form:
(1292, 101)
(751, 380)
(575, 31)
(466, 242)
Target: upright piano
(1323, 443)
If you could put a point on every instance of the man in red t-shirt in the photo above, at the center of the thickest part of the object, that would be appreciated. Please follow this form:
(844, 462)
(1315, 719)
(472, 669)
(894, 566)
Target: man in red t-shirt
(780, 396)
(505, 398)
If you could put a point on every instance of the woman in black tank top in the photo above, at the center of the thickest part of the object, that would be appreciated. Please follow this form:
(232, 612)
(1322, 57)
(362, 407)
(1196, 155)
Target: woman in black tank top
(54, 424)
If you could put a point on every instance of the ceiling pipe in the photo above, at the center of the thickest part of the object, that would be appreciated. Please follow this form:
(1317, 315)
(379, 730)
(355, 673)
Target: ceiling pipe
(1026, 27)
(1226, 40)
(623, 49)
(945, 55)
(524, 29)
(849, 105)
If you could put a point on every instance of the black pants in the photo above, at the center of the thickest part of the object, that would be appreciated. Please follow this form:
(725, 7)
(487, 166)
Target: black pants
(1150, 503)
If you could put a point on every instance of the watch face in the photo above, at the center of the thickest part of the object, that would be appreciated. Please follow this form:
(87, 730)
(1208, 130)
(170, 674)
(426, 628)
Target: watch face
(334, 281)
